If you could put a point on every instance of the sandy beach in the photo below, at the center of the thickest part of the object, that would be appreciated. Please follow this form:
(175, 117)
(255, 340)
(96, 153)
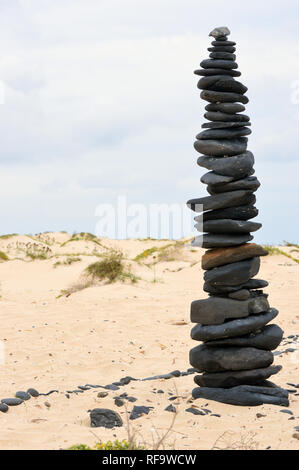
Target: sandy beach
(59, 334)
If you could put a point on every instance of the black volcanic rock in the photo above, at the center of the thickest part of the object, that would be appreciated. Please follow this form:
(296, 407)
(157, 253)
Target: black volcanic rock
(233, 274)
(222, 55)
(212, 240)
(223, 97)
(217, 359)
(229, 133)
(237, 166)
(213, 178)
(218, 64)
(233, 328)
(221, 201)
(233, 378)
(226, 117)
(228, 226)
(230, 108)
(251, 183)
(244, 395)
(221, 83)
(207, 72)
(245, 212)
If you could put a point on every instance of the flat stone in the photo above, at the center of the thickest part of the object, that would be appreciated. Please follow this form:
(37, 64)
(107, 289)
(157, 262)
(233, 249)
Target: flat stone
(251, 183)
(221, 201)
(225, 125)
(223, 43)
(206, 72)
(23, 395)
(223, 97)
(207, 359)
(268, 338)
(233, 274)
(223, 256)
(228, 226)
(226, 117)
(220, 32)
(222, 48)
(221, 146)
(237, 166)
(233, 328)
(223, 133)
(237, 213)
(170, 408)
(222, 83)
(230, 108)
(244, 395)
(234, 378)
(222, 55)
(3, 408)
(12, 401)
(213, 178)
(105, 418)
(211, 240)
(220, 290)
(216, 310)
(139, 411)
(218, 64)
(195, 411)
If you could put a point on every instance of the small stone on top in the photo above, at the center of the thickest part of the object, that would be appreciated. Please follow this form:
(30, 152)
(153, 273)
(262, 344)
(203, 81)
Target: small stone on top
(220, 32)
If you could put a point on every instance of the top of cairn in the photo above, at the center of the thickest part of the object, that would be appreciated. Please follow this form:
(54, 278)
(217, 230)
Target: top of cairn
(220, 32)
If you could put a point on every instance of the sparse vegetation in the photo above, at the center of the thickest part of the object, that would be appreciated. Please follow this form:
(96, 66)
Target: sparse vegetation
(110, 268)
(67, 262)
(9, 235)
(36, 251)
(3, 256)
(273, 250)
(83, 236)
(109, 445)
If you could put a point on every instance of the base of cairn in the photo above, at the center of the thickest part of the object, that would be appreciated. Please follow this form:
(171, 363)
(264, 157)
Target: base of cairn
(245, 395)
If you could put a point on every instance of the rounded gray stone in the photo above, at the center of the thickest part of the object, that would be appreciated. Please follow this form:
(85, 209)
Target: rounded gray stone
(221, 146)
(268, 338)
(237, 166)
(223, 133)
(225, 117)
(23, 395)
(222, 48)
(251, 183)
(213, 240)
(237, 213)
(218, 64)
(244, 395)
(233, 328)
(207, 359)
(233, 274)
(228, 226)
(242, 294)
(221, 201)
(219, 290)
(206, 72)
(12, 401)
(3, 408)
(234, 378)
(230, 108)
(225, 125)
(213, 178)
(223, 97)
(223, 83)
(103, 417)
(222, 55)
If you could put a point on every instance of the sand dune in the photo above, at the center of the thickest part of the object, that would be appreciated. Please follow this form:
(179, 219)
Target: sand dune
(58, 336)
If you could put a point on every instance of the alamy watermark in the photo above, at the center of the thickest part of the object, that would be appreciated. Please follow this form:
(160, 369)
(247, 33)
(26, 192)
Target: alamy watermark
(161, 221)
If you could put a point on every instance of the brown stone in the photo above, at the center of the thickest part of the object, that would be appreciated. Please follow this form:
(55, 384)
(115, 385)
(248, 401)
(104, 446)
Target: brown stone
(220, 256)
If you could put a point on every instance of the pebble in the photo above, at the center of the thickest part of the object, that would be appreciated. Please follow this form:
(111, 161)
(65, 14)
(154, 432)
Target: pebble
(289, 412)
(236, 166)
(139, 411)
(228, 226)
(230, 199)
(195, 411)
(171, 408)
(3, 408)
(207, 72)
(103, 417)
(222, 256)
(244, 212)
(230, 108)
(118, 402)
(23, 396)
(218, 64)
(12, 401)
(223, 97)
(230, 133)
(34, 393)
(102, 394)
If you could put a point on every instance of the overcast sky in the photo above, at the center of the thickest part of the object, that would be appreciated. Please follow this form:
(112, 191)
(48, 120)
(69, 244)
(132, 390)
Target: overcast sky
(101, 101)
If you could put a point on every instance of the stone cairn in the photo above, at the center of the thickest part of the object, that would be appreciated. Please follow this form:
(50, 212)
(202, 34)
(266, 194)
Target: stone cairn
(235, 359)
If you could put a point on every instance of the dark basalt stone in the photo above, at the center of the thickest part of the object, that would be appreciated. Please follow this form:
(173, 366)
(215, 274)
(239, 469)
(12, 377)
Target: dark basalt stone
(242, 294)
(237, 213)
(226, 117)
(220, 32)
(207, 359)
(222, 49)
(237, 166)
(221, 146)
(223, 133)
(218, 64)
(139, 411)
(269, 337)
(234, 378)
(34, 393)
(12, 401)
(215, 310)
(223, 97)
(251, 183)
(228, 226)
(222, 55)
(221, 83)
(244, 395)
(103, 417)
(220, 290)
(210, 240)
(233, 328)
(224, 125)
(215, 179)
(221, 201)
(23, 395)
(223, 43)
(230, 108)
(233, 274)
(3, 408)
(207, 72)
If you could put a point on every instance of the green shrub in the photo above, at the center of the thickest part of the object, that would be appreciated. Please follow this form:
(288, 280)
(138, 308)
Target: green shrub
(109, 445)
(111, 268)
(3, 256)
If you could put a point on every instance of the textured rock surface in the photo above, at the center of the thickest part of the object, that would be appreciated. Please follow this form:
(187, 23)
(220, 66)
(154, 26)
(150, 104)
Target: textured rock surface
(103, 417)
(244, 395)
(221, 256)
(233, 321)
(234, 378)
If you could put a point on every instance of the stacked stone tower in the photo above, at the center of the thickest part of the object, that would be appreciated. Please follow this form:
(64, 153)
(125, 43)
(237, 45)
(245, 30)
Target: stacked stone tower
(235, 357)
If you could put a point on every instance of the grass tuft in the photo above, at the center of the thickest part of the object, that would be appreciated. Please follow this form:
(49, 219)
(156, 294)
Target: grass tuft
(3, 256)
(110, 268)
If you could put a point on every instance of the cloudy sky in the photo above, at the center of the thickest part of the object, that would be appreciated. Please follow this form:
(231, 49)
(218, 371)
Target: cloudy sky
(100, 101)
